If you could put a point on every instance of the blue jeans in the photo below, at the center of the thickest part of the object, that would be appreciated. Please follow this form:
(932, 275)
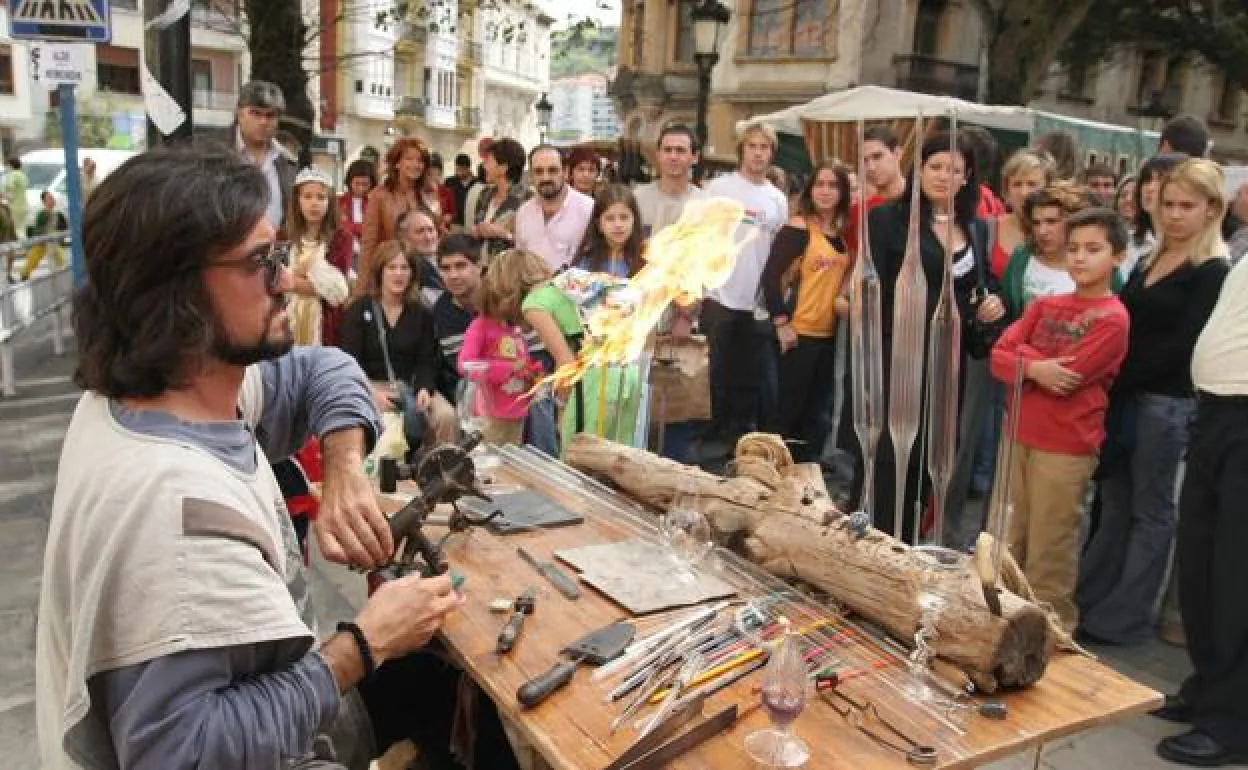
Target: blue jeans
(415, 421)
(1125, 564)
(541, 426)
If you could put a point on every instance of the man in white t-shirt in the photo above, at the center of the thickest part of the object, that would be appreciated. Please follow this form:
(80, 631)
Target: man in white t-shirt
(738, 345)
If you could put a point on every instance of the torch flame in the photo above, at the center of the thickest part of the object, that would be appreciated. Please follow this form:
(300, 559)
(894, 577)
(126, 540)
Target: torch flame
(696, 253)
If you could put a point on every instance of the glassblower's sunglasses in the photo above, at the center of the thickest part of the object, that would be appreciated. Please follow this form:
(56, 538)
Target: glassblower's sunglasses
(271, 257)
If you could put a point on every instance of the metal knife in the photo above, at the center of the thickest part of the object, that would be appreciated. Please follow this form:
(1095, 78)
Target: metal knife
(557, 577)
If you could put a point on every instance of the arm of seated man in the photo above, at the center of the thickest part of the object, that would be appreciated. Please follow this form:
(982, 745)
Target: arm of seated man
(310, 391)
(246, 707)
(322, 391)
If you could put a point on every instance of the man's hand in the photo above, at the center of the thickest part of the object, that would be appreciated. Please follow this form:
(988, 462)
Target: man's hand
(403, 615)
(382, 397)
(1052, 375)
(786, 337)
(351, 529)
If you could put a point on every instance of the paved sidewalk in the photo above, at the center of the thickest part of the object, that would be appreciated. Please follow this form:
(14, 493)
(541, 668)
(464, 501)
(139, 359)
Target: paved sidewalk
(32, 427)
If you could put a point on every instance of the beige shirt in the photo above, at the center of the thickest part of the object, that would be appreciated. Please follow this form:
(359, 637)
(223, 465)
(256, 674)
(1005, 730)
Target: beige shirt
(658, 209)
(154, 547)
(1220, 358)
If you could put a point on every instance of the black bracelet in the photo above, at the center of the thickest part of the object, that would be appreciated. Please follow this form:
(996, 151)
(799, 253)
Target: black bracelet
(366, 652)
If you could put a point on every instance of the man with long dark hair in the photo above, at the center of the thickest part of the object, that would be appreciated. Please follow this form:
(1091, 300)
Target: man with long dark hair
(174, 629)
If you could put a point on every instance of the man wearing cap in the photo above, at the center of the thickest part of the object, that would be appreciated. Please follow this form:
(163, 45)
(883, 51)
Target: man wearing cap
(260, 106)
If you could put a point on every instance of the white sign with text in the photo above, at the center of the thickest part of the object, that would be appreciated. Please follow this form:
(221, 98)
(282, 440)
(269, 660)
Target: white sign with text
(56, 63)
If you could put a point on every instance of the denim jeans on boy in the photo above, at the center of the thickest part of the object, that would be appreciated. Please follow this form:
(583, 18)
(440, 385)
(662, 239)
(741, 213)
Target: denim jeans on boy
(1124, 566)
(541, 426)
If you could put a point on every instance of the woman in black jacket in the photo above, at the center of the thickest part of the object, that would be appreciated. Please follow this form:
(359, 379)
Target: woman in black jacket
(975, 290)
(389, 332)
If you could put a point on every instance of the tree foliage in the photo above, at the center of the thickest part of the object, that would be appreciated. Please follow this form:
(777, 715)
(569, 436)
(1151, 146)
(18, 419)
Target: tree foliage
(1025, 38)
(1216, 30)
(280, 39)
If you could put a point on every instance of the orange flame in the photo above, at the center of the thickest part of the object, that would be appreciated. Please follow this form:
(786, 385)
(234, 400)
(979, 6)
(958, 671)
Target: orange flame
(696, 253)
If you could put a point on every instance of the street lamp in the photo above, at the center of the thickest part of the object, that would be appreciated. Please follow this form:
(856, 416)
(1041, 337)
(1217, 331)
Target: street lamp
(709, 19)
(544, 109)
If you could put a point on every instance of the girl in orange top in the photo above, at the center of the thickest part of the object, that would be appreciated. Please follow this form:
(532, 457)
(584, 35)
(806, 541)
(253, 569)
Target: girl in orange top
(803, 278)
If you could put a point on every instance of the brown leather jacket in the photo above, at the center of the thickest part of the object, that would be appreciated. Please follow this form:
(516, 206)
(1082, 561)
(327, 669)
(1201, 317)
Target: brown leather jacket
(380, 217)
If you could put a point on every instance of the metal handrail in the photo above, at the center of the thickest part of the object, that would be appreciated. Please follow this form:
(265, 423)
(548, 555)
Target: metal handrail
(22, 304)
(24, 244)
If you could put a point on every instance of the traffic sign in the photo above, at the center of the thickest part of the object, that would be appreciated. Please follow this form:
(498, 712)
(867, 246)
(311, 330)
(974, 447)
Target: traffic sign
(82, 21)
(57, 63)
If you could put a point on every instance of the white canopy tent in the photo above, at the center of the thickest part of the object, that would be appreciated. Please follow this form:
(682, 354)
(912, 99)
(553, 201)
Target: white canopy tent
(880, 103)
(814, 121)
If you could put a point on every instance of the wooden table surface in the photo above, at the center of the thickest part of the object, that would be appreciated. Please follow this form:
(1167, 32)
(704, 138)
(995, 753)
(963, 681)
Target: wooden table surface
(570, 729)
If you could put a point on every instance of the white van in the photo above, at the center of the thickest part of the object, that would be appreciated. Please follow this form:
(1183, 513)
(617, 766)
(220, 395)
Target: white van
(45, 170)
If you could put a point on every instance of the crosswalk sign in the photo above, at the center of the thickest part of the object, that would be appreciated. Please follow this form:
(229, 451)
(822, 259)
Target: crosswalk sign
(82, 21)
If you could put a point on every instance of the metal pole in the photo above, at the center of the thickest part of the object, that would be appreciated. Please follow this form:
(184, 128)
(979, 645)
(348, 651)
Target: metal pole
(706, 62)
(167, 79)
(69, 132)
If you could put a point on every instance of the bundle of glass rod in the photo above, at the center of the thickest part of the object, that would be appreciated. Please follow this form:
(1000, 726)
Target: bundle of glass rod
(1001, 506)
(866, 348)
(942, 370)
(909, 337)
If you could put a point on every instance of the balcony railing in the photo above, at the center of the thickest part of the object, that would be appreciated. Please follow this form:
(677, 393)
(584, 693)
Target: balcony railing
(413, 106)
(469, 118)
(930, 75)
(214, 100)
(438, 116)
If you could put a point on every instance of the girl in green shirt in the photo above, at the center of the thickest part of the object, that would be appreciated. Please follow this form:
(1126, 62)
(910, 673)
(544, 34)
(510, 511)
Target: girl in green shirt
(554, 316)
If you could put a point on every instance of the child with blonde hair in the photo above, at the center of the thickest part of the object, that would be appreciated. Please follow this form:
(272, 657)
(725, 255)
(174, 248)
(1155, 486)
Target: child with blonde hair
(494, 353)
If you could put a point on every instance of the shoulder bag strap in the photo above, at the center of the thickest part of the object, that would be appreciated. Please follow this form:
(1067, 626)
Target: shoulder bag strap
(380, 318)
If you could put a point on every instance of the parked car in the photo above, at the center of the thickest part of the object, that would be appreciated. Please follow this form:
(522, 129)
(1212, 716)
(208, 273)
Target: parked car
(45, 170)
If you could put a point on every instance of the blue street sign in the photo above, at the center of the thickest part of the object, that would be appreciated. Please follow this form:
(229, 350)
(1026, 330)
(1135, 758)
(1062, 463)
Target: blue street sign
(78, 21)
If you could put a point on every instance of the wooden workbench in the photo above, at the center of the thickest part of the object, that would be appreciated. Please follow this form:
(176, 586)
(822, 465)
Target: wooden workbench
(570, 730)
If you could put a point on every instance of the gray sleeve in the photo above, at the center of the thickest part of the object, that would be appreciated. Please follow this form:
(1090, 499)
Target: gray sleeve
(210, 709)
(313, 391)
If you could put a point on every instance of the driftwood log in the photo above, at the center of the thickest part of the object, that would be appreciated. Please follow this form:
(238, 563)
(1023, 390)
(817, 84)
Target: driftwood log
(785, 521)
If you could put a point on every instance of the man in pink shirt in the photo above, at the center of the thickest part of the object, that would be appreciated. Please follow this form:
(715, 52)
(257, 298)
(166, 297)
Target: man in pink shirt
(553, 222)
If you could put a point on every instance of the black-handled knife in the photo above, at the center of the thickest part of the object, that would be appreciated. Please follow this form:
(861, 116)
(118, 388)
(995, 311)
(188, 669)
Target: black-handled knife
(557, 577)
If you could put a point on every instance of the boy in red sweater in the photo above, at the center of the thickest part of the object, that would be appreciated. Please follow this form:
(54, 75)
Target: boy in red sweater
(1072, 346)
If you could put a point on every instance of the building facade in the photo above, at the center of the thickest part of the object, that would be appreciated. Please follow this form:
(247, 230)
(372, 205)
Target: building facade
(516, 39)
(110, 101)
(781, 53)
(449, 73)
(583, 109)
